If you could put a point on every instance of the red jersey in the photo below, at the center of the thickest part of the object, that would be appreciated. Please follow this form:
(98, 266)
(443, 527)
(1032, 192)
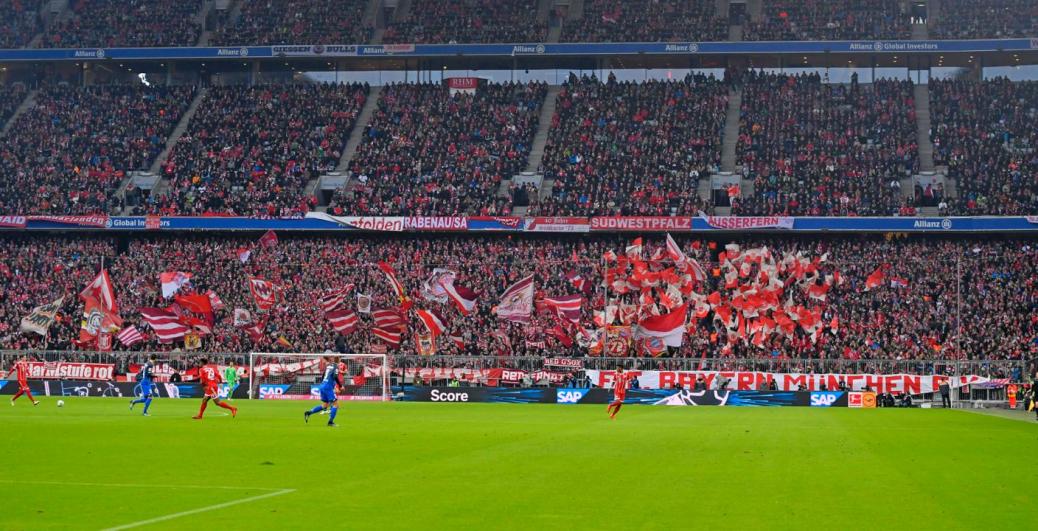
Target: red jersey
(21, 370)
(620, 386)
(209, 377)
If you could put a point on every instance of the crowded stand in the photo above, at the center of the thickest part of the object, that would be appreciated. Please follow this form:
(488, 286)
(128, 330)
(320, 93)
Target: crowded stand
(986, 19)
(869, 297)
(71, 151)
(819, 149)
(984, 132)
(11, 96)
(250, 151)
(646, 21)
(830, 20)
(633, 148)
(21, 22)
(427, 151)
(272, 22)
(127, 23)
(468, 21)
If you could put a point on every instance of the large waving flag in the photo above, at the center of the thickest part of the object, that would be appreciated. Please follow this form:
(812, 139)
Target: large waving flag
(398, 288)
(432, 321)
(335, 298)
(517, 302)
(42, 317)
(463, 298)
(567, 307)
(264, 292)
(167, 325)
(343, 321)
(669, 327)
(172, 281)
(674, 250)
(101, 289)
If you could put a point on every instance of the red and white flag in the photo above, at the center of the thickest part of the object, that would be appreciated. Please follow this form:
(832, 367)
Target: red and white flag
(387, 318)
(576, 280)
(172, 281)
(389, 336)
(264, 292)
(874, 280)
(343, 321)
(669, 327)
(363, 303)
(674, 250)
(101, 289)
(517, 302)
(335, 298)
(398, 288)
(130, 336)
(635, 249)
(243, 254)
(214, 300)
(567, 307)
(463, 298)
(167, 325)
(432, 321)
(269, 239)
(458, 342)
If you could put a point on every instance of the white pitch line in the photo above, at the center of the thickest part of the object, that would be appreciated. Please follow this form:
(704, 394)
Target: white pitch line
(200, 510)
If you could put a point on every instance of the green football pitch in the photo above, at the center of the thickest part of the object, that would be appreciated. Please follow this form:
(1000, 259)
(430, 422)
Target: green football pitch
(95, 465)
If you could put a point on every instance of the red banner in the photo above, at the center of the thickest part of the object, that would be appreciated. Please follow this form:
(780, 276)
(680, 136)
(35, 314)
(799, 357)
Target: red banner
(71, 371)
(463, 83)
(564, 224)
(98, 221)
(17, 222)
(648, 224)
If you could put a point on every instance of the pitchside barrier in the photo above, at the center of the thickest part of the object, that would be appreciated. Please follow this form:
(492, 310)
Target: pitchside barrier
(101, 373)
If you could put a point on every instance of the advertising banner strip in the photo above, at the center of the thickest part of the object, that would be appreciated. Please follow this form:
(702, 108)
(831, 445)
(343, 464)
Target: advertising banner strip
(748, 380)
(320, 221)
(304, 50)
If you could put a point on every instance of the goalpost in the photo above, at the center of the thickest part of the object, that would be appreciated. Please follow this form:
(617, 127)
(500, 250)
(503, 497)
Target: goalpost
(287, 376)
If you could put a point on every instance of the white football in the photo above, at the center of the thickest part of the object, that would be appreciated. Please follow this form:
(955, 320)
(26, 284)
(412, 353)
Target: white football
(61, 403)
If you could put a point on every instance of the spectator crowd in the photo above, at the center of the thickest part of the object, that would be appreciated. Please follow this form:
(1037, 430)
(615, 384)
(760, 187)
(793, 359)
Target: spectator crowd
(830, 20)
(71, 150)
(127, 23)
(272, 22)
(984, 132)
(633, 148)
(21, 22)
(427, 151)
(986, 19)
(250, 151)
(969, 299)
(468, 21)
(819, 149)
(647, 21)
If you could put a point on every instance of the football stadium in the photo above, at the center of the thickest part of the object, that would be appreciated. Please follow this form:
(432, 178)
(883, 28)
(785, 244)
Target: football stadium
(518, 264)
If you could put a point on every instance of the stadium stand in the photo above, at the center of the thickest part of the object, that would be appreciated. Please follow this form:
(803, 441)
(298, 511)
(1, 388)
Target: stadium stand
(427, 152)
(127, 23)
(647, 21)
(813, 148)
(21, 22)
(828, 20)
(11, 96)
(984, 132)
(969, 299)
(271, 22)
(72, 150)
(633, 148)
(986, 19)
(250, 151)
(468, 21)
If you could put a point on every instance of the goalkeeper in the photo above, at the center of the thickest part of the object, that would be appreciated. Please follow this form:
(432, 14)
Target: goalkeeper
(230, 376)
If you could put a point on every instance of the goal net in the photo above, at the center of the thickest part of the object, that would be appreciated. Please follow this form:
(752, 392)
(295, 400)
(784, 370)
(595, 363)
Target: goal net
(278, 376)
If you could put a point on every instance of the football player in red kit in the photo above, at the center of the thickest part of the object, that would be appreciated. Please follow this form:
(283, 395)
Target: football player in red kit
(21, 371)
(209, 377)
(619, 392)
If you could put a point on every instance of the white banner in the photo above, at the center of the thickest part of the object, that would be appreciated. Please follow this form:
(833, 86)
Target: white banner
(749, 380)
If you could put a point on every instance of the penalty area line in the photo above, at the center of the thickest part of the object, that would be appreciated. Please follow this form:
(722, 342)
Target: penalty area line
(201, 510)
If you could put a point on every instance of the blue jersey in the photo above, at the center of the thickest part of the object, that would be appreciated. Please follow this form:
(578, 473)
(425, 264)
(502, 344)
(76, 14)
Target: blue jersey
(146, 372)
(331, 377)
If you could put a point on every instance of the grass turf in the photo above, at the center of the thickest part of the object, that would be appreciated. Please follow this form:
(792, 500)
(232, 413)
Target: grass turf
(95, 465)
